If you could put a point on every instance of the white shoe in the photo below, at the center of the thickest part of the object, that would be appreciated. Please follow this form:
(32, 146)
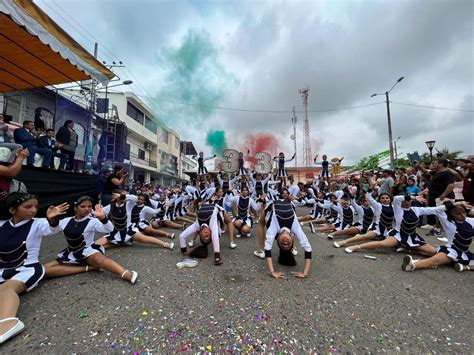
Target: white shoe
(408, 264)
(443, 239)
(134, 276)
(232, 245)
(191, 243)
(259, 253)
(336, 245)
(17, 328)
(170, 246)
(311, 226)
(427, 226)
(401, 250)
(187, 263)
(349, 250)
(330, 236)
(172, 236)
(294, 251)
(238, 236)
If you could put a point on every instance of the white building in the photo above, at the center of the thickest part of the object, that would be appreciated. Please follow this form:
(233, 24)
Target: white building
(155, 150)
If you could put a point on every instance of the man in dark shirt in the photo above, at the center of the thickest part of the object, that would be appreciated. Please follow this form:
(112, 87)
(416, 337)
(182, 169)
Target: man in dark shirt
(47, 141)
(441, 187)
(27, 139)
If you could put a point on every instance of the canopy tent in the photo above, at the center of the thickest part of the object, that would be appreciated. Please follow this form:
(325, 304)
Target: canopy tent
(36, 52)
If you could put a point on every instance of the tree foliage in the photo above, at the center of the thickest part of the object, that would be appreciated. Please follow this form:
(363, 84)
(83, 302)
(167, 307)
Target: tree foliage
(371, 162)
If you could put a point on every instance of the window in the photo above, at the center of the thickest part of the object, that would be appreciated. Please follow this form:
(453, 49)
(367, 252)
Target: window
(141, 154)
(151, 124)
(164, 135)
(134, 113)
(176, 143)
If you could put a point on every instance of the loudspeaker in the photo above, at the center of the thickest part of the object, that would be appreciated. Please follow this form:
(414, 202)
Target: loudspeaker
(102, 105)
(116, 150)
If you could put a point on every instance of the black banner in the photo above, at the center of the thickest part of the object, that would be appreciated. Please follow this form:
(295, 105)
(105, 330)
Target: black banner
(54, 187)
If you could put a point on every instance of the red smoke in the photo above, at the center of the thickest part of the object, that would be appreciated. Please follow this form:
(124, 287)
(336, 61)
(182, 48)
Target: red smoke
(260, 142)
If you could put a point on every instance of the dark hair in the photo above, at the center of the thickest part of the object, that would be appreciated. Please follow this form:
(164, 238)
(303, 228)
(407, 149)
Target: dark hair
(82, 199)
(387, 194)
(67, 122)
(146, 198)
(286, 257)
(450, 208)
(50, 130)
(201, 251)
(27, 122)
(15, 199)
(443, 162)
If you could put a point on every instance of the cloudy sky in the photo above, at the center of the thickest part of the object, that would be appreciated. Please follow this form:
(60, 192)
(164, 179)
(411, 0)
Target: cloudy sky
(254, 56)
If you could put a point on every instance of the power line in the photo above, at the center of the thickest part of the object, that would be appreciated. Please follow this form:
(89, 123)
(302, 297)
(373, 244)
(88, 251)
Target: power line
(432, 107)
(258, 111)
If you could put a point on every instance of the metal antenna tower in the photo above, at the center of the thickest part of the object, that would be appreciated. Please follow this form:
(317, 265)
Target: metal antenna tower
(306, 133)
(293, 136)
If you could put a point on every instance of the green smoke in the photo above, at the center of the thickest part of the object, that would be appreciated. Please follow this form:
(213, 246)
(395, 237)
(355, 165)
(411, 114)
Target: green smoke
(217, 141)
(195, 76)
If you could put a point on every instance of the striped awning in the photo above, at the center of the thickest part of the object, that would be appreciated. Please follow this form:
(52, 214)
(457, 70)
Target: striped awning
(37, 52)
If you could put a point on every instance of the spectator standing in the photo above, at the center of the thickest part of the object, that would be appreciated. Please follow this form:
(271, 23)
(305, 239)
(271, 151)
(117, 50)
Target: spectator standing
(27, 139)
(67, 136)
(387, 183)
(440, 189)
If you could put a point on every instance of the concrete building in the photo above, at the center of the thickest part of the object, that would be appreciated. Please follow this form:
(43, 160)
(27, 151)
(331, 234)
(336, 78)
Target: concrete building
(155, 150)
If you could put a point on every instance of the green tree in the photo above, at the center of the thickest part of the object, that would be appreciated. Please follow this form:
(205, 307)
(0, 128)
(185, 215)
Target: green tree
(370, 163)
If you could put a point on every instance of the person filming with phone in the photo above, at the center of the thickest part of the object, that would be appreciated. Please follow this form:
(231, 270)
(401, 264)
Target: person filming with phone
(115, 181)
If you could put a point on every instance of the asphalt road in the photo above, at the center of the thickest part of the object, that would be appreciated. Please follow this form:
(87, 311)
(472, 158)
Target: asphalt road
(347, 304)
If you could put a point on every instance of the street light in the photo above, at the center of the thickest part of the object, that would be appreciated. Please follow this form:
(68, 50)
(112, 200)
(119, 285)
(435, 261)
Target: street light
(390, 140)
(430, 145)
(125, 82)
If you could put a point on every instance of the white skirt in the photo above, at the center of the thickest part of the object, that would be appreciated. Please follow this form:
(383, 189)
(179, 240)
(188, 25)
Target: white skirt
(30, 275)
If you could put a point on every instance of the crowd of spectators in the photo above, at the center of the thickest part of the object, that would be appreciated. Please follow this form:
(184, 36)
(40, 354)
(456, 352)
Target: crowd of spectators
(41, 142)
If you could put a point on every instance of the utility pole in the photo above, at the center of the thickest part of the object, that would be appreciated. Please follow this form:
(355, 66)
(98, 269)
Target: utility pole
(390, 139)
(306, 133)
(293, 120)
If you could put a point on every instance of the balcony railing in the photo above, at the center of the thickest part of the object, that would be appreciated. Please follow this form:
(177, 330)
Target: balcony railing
(134, 158)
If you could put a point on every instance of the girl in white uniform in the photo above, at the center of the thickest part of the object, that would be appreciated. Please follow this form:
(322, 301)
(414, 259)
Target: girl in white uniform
(20, 242)
(120, 213)
(279, 219)
(202, 170)
(82, 254)
(366, 218)
(207, 224)
(281, 171)
(243, 221)
(459, 231)
(139, 212)
(405, 236)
